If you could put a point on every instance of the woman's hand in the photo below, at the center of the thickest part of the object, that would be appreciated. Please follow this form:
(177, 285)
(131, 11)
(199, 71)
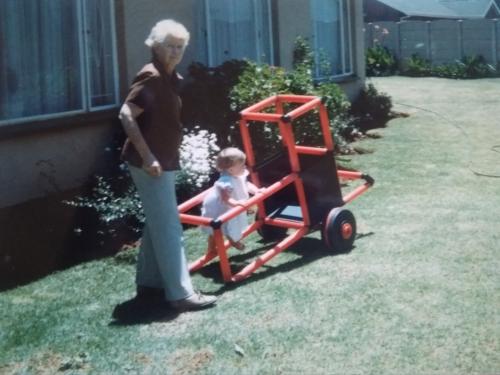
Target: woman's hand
(153, 168)
(128, 114)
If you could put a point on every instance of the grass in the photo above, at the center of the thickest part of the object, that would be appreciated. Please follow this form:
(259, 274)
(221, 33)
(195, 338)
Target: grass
(420, 292)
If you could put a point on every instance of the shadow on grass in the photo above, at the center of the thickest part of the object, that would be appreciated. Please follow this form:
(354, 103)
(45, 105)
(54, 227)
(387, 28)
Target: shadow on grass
(308, 249)
(142, 311)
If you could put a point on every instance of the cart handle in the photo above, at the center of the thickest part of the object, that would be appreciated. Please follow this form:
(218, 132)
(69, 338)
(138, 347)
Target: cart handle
(369, 179)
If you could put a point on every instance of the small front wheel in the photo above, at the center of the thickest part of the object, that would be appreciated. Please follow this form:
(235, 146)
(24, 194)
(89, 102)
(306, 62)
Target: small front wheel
(339, 230)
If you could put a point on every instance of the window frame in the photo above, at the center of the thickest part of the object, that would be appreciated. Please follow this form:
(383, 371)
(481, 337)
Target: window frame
(83, 40)
(207, 53)
(343, 4)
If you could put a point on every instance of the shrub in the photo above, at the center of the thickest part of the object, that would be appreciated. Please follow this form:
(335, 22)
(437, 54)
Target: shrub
(258, 82)
(197, 155)
(476, 67)
(302, 53)
(112, 205)
(417, 66)
(380, 62)
(115, 198)
(468, 67)
(338, 106)
(454, 71)
(371, 108)
(205, 98)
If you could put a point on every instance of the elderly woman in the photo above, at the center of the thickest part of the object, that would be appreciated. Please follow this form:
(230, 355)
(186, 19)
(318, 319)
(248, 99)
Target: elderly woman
(151, 119)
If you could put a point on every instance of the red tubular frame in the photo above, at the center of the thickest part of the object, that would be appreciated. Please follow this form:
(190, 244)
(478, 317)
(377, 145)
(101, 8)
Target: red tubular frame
(297, 112)
(301, 228)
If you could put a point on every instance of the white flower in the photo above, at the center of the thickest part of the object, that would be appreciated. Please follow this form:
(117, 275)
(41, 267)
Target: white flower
(197, 154)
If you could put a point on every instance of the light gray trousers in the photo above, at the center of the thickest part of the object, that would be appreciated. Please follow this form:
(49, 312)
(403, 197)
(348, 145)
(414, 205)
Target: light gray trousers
(162, 262)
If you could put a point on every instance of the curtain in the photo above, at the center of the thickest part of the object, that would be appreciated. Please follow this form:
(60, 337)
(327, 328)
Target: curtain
(40, 70)
(100, 56)
(332, 37)
(47, 65)
(238, 30)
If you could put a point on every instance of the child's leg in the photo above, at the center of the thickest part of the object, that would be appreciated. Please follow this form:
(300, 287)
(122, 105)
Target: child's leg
(236, 244)
(211, 244)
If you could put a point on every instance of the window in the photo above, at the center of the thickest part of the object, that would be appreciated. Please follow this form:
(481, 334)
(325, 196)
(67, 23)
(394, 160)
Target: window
(236, 30)
(56, 57)
(332, 38)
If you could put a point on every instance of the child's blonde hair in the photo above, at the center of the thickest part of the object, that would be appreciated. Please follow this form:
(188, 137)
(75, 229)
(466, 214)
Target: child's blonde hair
(229, 157)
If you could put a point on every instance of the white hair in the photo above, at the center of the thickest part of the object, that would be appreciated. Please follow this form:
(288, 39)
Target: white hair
(166, 28)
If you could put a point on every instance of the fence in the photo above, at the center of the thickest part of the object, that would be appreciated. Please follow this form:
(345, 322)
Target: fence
(440, 42)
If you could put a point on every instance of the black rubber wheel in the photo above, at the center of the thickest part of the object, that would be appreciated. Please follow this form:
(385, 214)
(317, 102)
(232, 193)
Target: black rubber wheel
(271, 233)
(339, 230)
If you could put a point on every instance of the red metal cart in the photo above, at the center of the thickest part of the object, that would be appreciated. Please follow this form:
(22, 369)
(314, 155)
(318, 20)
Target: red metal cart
(302, 190)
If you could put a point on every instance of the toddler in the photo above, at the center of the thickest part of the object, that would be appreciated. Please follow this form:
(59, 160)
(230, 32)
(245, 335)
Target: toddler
(230, 190)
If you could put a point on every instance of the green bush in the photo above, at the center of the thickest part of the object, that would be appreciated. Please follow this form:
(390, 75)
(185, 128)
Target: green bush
(380, 62)
(466, 68)
(111, 204)
(371, 108)
(302, 53)
(454, 71)
(476, 67)
(259, 81)
(205, 98)
(417, 66)
(338, 107)
(114, 198)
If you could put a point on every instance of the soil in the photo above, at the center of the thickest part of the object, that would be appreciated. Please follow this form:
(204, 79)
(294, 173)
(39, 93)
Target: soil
(45, 235)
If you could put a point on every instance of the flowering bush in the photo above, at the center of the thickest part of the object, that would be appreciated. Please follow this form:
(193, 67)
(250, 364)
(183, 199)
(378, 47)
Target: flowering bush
(117, 199)
(380, 62)
(198, 151)
(259, 81)
(109, 204)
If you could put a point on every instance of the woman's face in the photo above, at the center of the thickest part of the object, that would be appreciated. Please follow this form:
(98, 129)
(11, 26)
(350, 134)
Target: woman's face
(172, 51)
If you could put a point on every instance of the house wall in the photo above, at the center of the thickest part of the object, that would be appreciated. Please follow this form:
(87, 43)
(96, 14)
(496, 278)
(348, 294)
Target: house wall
(43, 157)
(289, 27)
(288, 23)
(353, 86)
(40, 163)
(289, 18)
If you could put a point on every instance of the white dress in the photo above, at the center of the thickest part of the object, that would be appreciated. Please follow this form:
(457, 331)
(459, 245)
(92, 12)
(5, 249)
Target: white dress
(213, 206)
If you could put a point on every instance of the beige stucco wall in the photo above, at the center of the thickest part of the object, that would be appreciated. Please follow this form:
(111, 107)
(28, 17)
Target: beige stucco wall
(48, 162)
(39, 162)
(354, 85)
(293, 18)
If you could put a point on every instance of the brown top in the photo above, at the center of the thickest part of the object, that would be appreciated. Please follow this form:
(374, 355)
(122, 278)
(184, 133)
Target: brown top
(156, 92)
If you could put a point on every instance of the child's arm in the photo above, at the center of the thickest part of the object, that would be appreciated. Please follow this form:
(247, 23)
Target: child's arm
(225, 195)
(253, 190)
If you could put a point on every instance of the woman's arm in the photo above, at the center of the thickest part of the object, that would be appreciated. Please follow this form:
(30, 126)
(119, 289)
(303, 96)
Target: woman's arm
(128, 114)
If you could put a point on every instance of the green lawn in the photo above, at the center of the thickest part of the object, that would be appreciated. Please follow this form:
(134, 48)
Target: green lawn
(419, 293)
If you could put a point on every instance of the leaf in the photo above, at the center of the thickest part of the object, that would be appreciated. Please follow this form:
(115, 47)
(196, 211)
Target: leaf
(239, 350)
